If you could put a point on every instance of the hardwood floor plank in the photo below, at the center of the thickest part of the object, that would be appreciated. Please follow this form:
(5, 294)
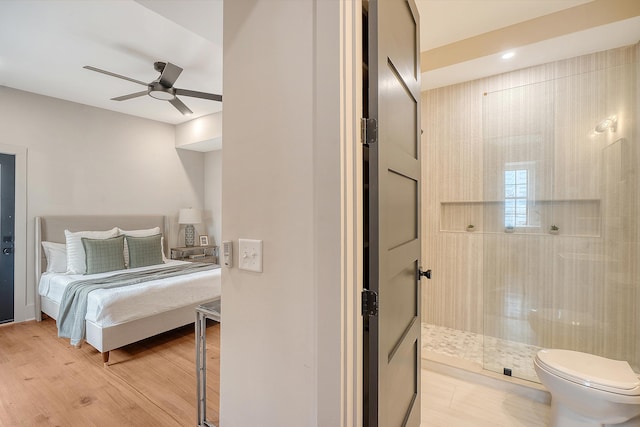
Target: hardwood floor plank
(47, 382)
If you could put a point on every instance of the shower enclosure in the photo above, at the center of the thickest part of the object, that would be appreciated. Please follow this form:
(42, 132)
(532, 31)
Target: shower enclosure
(552, 216)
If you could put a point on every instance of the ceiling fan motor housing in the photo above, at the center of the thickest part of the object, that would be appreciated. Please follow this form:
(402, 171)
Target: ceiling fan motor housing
(159, 66)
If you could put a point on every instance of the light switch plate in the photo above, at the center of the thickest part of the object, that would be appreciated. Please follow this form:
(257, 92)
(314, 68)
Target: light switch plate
(250, 255)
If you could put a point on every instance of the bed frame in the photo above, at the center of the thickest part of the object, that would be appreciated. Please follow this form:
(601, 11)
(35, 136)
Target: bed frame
(51, 229)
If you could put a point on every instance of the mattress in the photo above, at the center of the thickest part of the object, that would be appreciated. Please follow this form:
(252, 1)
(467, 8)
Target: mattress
(109, 307)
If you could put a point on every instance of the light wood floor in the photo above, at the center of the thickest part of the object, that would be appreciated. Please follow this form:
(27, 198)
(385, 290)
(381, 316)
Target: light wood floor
(46, 382)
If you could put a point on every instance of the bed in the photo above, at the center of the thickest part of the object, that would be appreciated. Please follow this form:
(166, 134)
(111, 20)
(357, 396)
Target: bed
(120, 316)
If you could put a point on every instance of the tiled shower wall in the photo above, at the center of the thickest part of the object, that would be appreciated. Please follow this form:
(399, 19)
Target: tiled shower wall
(579, 289)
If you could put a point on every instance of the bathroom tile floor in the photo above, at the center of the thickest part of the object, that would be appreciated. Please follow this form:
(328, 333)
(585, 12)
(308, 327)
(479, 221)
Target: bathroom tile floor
(449, 401)
(470, 399)
(496, 354)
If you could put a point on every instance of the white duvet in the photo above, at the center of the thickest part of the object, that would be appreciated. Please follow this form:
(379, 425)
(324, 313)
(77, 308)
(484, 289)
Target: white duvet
(108, 307)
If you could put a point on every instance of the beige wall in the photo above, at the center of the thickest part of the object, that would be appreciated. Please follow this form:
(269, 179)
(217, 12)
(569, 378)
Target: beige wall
(488, 280)
(85, 160)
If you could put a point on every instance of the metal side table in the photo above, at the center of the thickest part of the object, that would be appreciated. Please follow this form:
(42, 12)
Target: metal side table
(209, 310)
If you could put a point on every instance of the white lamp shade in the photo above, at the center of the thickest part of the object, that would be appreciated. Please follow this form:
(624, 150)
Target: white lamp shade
(189, 216)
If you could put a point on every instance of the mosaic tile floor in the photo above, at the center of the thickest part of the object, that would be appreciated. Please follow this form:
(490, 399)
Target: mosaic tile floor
(476, 348)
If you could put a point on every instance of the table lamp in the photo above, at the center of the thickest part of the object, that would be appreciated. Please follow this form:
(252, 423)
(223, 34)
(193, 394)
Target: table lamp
(189, 216)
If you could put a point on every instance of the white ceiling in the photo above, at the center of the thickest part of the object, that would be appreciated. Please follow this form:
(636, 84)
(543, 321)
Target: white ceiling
(604, 37)
(446, 21)
(443, 22)
(45, 43)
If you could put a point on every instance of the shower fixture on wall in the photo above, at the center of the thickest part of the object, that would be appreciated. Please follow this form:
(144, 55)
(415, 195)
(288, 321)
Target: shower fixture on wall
(608, 123)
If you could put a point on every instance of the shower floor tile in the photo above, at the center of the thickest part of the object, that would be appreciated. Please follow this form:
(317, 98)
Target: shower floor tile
(476, 348)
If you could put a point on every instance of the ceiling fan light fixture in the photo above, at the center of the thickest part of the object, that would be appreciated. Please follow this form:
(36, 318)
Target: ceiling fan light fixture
(158, 91)
(161, 88)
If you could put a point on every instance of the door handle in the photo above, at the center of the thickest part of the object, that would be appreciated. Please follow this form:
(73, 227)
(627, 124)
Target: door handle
(426, 273)
(7, 251)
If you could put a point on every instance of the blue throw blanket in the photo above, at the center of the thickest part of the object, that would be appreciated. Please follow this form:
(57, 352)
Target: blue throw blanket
(73, 307)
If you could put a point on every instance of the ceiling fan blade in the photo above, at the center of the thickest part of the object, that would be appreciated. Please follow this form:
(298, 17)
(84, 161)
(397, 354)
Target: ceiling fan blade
(131, 95)
(196, 94)
(109, 73)
(169, 74)
(180, 106)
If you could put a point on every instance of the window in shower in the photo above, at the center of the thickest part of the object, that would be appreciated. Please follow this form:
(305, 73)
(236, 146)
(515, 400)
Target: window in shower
(518, 192)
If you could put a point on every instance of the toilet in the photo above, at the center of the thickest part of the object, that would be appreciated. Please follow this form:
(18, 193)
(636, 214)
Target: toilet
(588, 390)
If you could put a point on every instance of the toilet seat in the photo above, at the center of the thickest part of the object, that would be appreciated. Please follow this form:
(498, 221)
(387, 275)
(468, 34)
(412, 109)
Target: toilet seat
(593, 371)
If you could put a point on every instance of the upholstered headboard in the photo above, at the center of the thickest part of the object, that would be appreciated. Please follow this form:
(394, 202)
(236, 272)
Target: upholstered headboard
(51, 229)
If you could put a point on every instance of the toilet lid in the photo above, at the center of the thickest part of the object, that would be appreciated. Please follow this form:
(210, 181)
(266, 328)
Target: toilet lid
(591, 370)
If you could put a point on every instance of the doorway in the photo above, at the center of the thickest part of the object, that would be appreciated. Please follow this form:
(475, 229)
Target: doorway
(7, 236)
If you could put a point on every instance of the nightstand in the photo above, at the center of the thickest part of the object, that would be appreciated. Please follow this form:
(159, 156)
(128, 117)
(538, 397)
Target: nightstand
(208, 254)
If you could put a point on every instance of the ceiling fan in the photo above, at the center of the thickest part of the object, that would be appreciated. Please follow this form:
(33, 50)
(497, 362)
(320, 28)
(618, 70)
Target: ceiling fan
(162, 87)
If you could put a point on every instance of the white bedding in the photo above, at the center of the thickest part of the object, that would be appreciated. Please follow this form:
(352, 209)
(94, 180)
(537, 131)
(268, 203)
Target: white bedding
(108, 307)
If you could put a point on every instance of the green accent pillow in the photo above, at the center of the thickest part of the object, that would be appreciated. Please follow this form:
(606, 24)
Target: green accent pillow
(103, 255)
(144, 251)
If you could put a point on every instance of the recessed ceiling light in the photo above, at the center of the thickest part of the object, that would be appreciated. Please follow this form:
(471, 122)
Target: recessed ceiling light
(508, 55)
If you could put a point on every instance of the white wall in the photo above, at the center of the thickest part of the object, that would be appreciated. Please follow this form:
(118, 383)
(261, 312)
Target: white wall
(85, 160)
(201, 134)
(213, 196)
(282, 330)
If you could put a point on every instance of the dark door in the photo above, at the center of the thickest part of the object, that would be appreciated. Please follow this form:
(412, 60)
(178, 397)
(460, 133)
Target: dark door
(7, 224)
(392, 219)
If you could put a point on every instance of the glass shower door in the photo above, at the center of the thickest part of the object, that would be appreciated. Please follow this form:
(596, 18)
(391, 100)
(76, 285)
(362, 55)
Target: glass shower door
(518, 141)
(560, 248)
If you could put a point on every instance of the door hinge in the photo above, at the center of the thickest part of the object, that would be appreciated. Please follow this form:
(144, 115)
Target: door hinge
(369, 303)
(368, 131)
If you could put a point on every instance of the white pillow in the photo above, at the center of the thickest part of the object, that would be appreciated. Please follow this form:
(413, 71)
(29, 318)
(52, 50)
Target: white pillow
(56, 254)
(141, 233)
(76, 262)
